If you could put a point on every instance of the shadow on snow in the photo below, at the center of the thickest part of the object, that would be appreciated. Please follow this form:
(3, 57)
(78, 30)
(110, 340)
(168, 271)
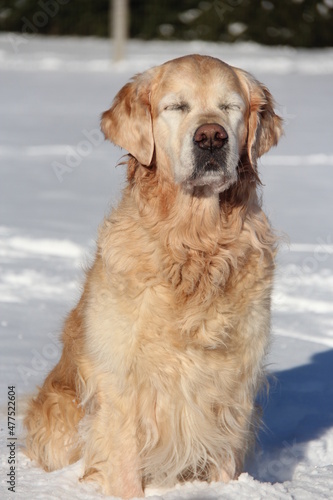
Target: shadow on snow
(299, 409)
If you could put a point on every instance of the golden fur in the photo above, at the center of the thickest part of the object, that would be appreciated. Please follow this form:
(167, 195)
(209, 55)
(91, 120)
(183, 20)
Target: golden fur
(163, 355)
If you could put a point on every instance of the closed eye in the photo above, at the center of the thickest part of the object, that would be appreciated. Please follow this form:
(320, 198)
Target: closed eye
(181, 106)
(229, 107)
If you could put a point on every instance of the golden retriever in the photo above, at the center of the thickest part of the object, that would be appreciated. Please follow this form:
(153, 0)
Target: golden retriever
(163, 355)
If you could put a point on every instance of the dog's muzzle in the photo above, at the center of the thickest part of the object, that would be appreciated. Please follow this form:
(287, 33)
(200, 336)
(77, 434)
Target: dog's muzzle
(210, 149)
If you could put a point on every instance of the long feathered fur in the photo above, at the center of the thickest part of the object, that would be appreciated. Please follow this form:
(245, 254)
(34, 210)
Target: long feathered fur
(163, 356)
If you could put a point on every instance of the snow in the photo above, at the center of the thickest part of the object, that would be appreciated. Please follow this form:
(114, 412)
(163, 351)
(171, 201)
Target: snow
(58, 179)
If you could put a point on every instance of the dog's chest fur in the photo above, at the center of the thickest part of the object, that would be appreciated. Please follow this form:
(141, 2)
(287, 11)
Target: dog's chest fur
(161, 295)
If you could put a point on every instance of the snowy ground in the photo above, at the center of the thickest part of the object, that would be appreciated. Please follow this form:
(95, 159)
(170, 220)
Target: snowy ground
(52, 93)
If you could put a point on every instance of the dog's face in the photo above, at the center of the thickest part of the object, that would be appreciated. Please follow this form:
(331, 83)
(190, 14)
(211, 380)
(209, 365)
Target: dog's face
(199, 116)
(199, 123)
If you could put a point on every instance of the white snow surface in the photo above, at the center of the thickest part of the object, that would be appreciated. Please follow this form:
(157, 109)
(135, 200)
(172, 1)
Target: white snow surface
(53, 91)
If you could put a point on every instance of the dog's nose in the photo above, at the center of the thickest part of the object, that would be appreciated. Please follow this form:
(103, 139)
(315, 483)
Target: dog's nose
(210, 136)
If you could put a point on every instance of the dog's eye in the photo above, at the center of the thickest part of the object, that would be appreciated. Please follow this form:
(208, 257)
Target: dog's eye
(182, 106)
(229, 107)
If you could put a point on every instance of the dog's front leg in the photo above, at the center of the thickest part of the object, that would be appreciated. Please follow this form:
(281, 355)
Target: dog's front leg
(110, 452)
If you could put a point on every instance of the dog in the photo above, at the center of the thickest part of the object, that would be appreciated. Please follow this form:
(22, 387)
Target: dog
(163, 356)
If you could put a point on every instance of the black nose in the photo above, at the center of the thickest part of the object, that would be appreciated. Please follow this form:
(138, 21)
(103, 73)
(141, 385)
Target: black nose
(210, 136)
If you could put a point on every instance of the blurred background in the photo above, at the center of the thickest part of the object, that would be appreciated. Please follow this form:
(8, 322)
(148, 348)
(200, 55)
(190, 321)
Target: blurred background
(298, 23)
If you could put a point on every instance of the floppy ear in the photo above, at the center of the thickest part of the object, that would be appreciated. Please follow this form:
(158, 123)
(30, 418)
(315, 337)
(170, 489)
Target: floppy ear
(264, 126)
(128, 122)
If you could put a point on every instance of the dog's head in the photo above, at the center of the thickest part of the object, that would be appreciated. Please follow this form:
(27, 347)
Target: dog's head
(196, 116)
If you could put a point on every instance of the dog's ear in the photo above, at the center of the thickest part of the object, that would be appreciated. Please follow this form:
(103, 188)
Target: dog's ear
(128, 122)
(264, 125)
